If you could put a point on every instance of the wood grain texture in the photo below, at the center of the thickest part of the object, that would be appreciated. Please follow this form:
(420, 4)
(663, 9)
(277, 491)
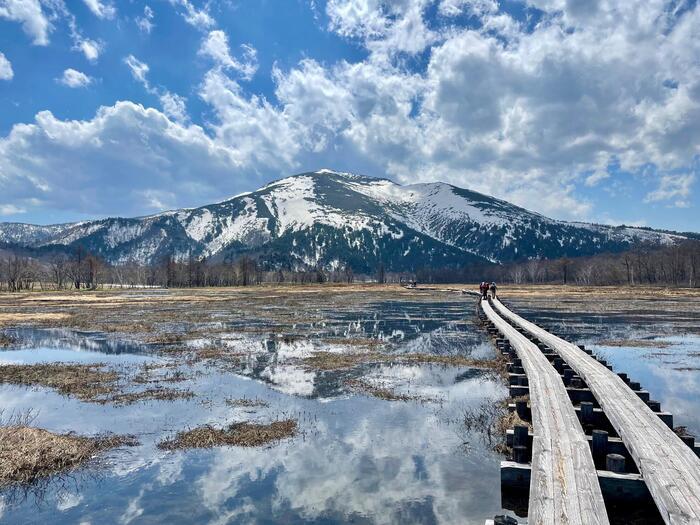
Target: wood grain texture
(670, 468)
(564, 486)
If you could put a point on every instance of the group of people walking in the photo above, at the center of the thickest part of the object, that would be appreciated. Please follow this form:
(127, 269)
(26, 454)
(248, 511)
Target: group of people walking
(485, 288)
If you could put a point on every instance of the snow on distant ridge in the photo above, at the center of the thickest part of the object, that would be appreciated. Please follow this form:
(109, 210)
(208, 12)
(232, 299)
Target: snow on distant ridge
(347, 204)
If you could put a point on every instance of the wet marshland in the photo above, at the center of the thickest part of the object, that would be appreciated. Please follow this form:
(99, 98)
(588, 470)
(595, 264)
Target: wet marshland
(377, 381)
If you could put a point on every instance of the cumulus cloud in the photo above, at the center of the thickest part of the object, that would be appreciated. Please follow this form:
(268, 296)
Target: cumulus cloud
(28, 13)
(215, 46)
(126, 160)
(101, 9)
(6, 72)
(90, 48)
(74, 79)
(527, 112)
(38, 18)
(386, 27)
(521, 111)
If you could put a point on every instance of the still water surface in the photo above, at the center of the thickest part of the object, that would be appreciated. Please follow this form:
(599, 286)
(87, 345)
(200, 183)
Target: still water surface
(357, 459)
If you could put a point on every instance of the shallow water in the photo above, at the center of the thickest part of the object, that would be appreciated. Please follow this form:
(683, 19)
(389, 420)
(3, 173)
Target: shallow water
(356, 459)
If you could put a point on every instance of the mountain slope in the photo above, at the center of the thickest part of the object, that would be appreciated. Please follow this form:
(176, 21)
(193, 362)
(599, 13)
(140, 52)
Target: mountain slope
(333, 219)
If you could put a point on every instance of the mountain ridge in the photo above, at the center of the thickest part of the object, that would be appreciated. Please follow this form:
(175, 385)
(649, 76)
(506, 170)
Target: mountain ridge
(329, 218)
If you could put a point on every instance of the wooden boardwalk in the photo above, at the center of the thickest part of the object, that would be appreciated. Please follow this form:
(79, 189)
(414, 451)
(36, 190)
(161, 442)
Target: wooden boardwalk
(669, 467)
(564, 486)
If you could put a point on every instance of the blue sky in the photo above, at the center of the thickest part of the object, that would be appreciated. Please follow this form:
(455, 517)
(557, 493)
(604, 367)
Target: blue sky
(578, 110)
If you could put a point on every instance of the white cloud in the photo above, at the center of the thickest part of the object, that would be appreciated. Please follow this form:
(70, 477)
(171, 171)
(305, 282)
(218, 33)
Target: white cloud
(525, 112)
(145, 22)
(199, 18)
(215, 46)
(386, 27)
(594, 178)
(74, 79)
(672, 187)
(11, 209)
(174, 106)
(125, 160)
(101, 9)
(139, 69)
(90, 48)
(255, 132)
(6, 72)
(29, 13)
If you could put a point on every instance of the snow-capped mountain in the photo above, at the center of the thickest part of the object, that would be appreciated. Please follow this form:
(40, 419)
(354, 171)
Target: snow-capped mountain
(333, 219)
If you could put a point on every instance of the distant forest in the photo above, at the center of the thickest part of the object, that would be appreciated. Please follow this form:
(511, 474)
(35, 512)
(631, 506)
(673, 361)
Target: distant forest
(676, 265)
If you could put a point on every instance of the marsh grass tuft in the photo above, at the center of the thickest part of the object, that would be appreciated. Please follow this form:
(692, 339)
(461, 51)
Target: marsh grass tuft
(86, 382)
(379, 391)
(28, 454)
(150, 394)
(635, 343)
(238, 434)
(491, 419)
(247, 402)
(7, 340)
(344, 361)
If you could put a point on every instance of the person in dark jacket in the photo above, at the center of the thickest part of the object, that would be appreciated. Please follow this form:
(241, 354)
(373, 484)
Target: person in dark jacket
(493, 290)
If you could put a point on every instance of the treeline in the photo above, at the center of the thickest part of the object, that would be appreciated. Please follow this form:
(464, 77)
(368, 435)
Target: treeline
(676, 265)
(81, 270)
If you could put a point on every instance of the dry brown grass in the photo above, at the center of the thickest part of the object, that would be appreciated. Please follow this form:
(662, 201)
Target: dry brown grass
(28, 454)
(378, 391)
(237, 434)
(218, 353)
(160, 373)
(15, 318)
(340, 361)
(165, 339)
(150, 394)
(7, 340)
(344, 361)
(86, 382)
(247, 402)
(92, 383)
(604, 292)
(635, 343)
(491, 419)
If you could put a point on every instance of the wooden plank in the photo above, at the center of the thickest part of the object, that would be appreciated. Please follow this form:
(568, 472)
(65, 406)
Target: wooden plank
(670, 468)
(564, 486)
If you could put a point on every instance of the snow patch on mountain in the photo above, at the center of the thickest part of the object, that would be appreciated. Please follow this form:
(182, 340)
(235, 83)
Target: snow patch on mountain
(329, 217)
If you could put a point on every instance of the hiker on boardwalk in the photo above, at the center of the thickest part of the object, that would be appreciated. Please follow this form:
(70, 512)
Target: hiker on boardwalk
(492, 288)
(483, 289)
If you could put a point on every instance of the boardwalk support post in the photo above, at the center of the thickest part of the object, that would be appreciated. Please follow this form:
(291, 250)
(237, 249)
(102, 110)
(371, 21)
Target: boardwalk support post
(599, 446)
(615, 463)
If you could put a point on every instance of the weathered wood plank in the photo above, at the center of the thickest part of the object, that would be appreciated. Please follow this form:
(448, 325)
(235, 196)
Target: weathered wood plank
(670, 468)
(564, 486)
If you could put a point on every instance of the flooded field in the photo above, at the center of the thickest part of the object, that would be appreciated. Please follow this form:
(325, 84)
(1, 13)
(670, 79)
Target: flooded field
(369, 385)
(376, 382)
